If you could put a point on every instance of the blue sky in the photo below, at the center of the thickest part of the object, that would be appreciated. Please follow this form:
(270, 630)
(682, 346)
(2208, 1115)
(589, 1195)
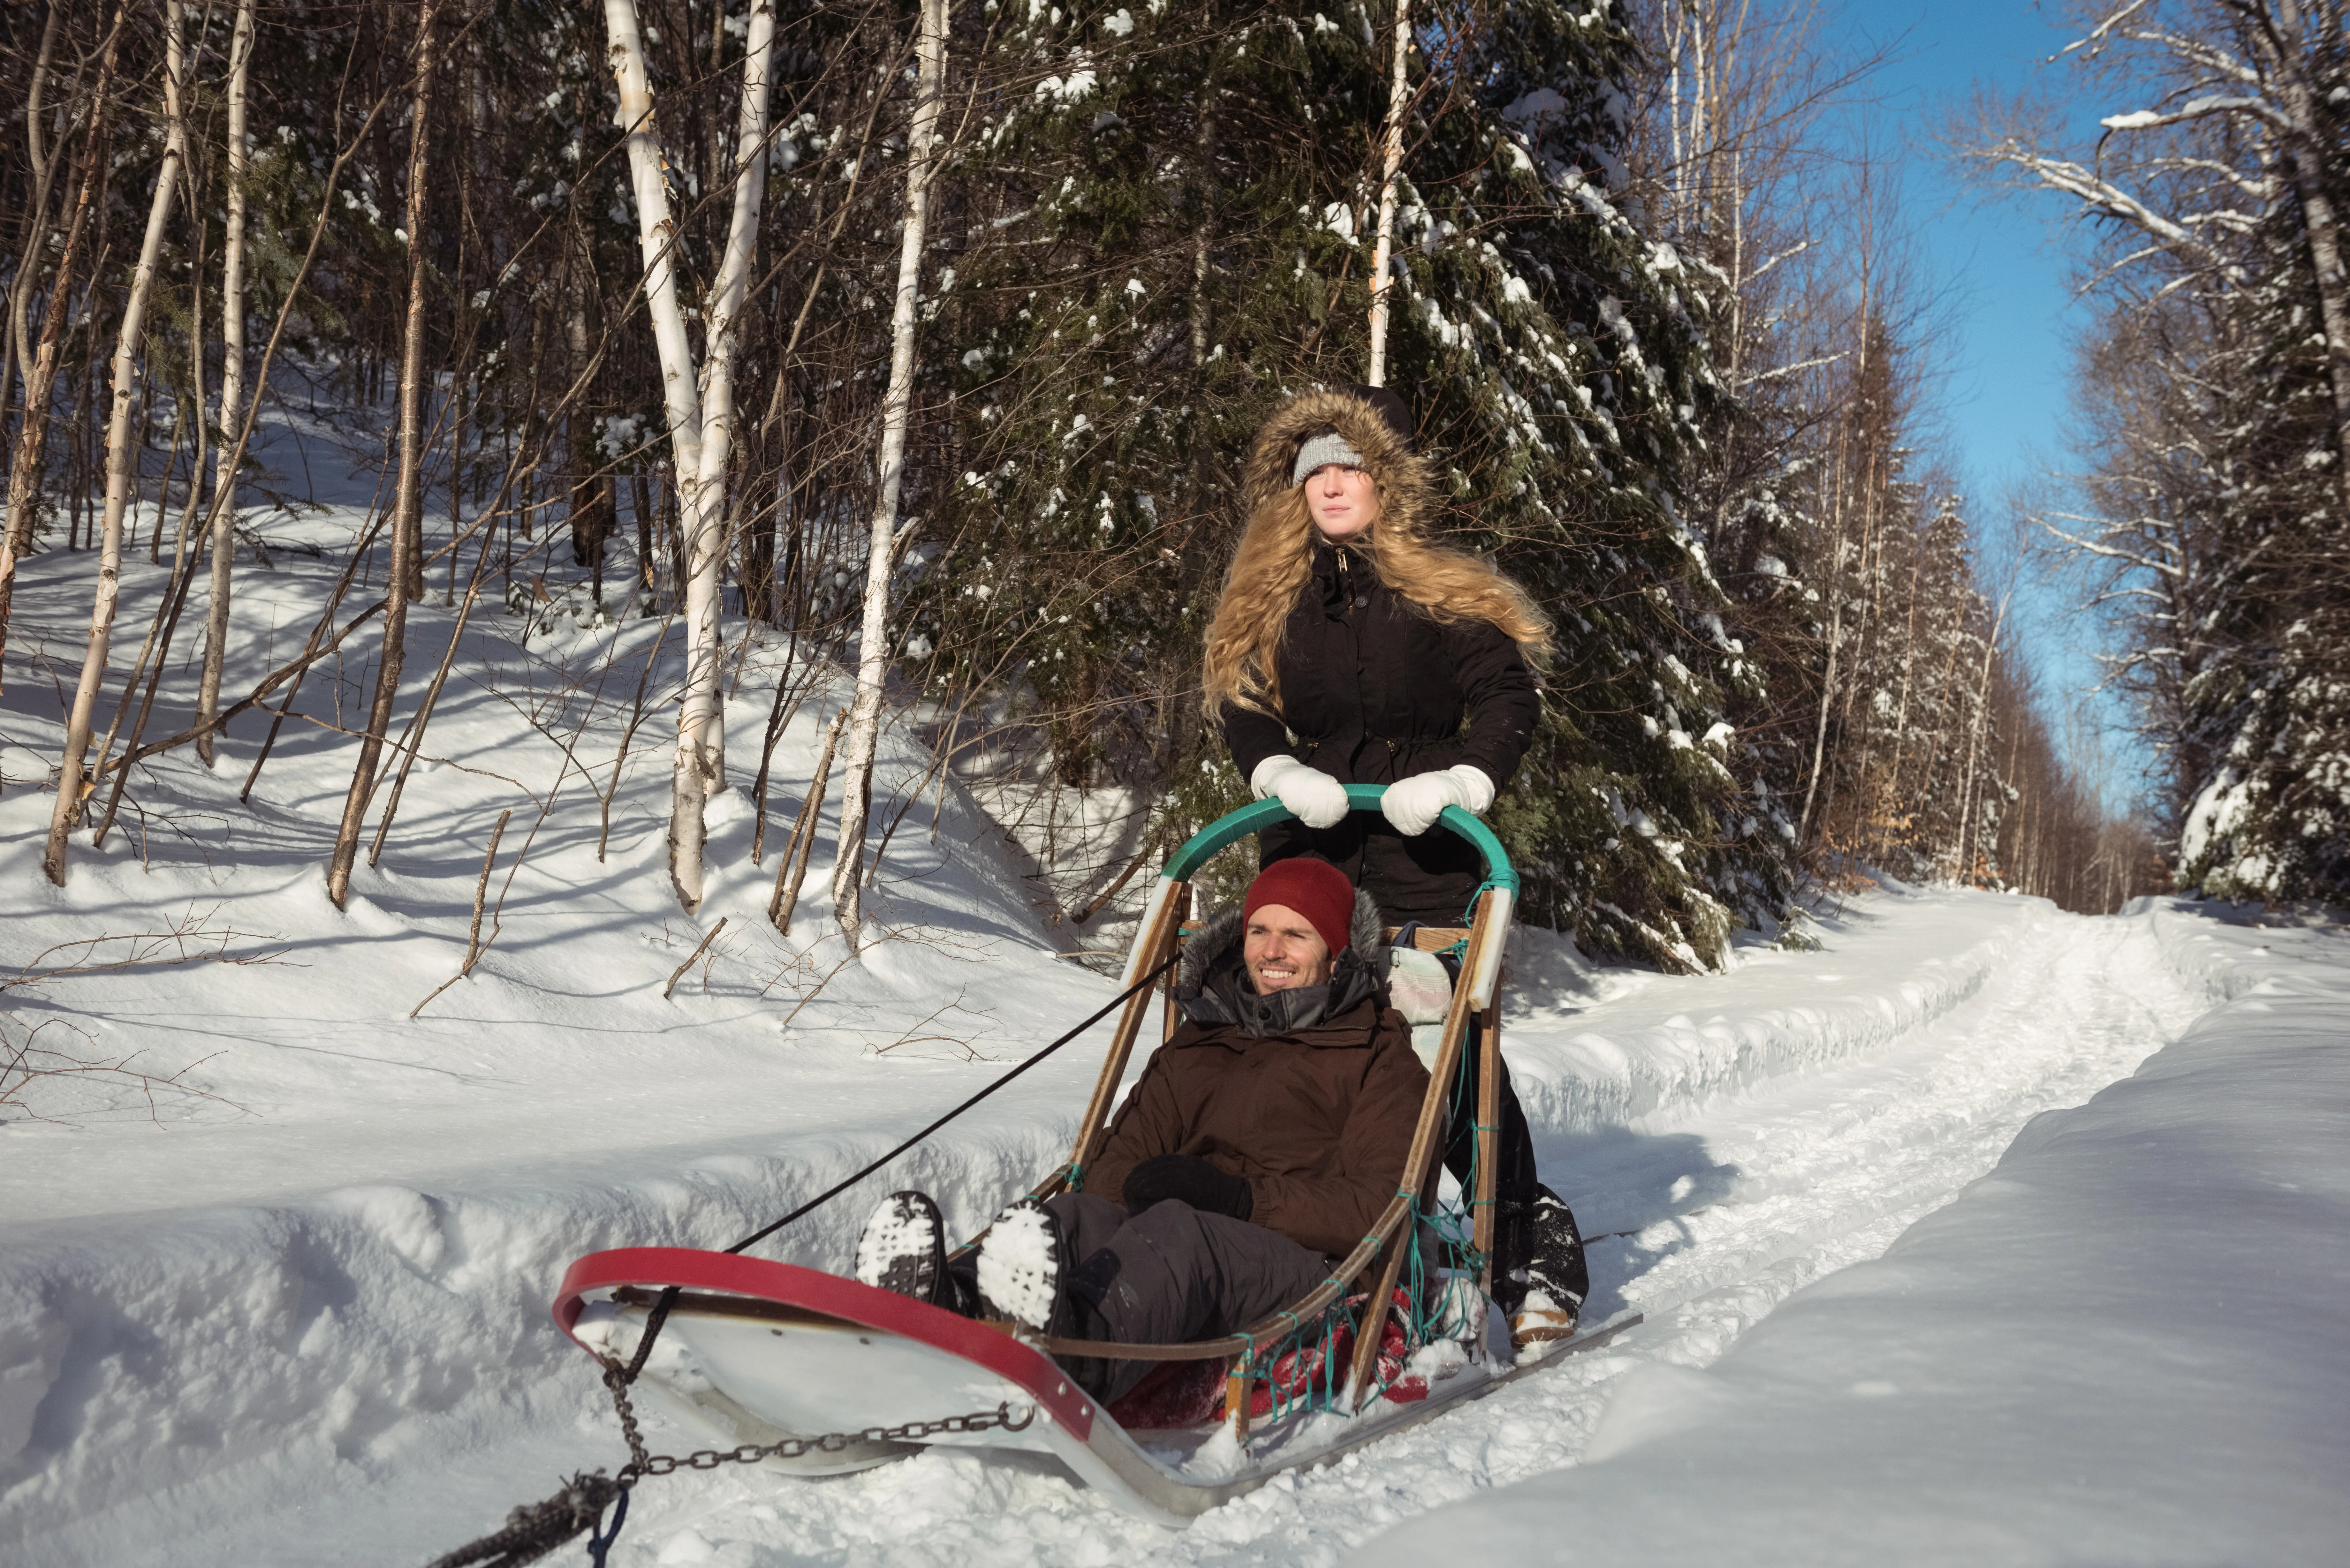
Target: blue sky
(2003, 258)
(2002, 262)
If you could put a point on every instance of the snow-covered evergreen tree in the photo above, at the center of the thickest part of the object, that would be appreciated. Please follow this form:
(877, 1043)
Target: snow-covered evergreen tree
(1172, 233)
(2268, 706)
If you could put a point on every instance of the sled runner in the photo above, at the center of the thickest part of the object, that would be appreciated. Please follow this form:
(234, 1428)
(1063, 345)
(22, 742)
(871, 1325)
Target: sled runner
(755, 1353)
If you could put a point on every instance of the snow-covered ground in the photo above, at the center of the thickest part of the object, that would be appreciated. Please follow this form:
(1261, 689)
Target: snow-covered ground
(2123, 1346)
(301, 1316)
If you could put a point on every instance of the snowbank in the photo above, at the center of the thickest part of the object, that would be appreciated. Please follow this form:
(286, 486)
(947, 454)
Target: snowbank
(2121, 1346)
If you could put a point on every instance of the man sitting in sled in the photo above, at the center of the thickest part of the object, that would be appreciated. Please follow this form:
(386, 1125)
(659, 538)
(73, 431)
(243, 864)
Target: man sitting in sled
(1262, 1142)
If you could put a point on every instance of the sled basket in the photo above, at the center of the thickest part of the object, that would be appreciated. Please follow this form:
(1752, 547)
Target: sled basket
(754, 1351)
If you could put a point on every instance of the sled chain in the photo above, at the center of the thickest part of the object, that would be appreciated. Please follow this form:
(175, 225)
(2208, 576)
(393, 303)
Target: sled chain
(537, 1529)
(643, 1463)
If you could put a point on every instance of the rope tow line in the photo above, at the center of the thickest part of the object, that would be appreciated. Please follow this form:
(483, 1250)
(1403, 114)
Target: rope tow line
(669, 1293)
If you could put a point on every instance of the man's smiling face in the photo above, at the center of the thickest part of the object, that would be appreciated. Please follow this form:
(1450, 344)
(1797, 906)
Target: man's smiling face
(1283, 951)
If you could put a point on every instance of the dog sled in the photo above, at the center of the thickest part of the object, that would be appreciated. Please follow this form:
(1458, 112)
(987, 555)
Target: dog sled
(761, 1357)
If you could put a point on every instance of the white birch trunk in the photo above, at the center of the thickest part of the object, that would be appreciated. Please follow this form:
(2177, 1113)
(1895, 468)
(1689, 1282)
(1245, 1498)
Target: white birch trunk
(701, 766)
(1399, 95)
(655, 236)
(700, 754)
(119, 455)
(1964, 861)
(873, 645)
(408, 506)
(2309, 146)
(232, 402)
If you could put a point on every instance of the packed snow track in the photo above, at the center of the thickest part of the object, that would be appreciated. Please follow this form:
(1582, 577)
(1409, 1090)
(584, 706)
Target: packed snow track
(1725, 1140)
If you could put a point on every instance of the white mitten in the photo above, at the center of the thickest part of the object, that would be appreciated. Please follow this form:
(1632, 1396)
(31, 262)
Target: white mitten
(1313, 796)
(1413, 805)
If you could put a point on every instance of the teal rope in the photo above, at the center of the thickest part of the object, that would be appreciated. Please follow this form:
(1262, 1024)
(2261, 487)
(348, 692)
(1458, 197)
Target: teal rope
(1469, 915)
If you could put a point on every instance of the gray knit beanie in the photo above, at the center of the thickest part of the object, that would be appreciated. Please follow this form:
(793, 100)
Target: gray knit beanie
(1326, 447)
(1329, 446)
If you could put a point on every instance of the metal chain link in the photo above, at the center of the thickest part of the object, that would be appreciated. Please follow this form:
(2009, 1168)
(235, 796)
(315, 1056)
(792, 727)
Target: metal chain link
(644, 1463)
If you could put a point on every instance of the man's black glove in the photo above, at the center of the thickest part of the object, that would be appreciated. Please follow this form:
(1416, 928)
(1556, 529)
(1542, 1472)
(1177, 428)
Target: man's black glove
(1188, 1178)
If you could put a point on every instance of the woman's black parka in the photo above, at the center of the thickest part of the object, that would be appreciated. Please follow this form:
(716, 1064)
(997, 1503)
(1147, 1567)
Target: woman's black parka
(1374, 688)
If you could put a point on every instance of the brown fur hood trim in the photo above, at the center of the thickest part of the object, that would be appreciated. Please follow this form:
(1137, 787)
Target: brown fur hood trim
(1408, 500)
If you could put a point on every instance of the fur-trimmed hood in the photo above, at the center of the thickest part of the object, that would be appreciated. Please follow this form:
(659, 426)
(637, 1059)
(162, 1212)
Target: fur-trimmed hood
(1211, 985)
(1406, 483)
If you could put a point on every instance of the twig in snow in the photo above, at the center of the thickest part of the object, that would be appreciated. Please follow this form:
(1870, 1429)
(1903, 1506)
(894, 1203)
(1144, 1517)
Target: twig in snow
(146, 950)
(26, 1062)
(679, 973)
(481, 895)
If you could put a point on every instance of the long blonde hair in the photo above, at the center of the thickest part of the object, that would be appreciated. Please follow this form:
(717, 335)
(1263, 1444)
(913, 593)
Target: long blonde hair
(1275, 554)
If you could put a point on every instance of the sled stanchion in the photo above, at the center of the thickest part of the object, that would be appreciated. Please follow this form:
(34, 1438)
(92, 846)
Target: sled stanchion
(1426, 1139)
(1154, 945)
(1489, 1142)
(1169, 1015)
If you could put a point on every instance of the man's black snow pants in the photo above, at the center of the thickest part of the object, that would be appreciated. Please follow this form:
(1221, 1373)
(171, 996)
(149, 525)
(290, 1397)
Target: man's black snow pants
(1165, 1276)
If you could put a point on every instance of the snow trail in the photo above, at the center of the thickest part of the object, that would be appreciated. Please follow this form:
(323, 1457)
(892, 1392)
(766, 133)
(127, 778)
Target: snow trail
(2120, 1346)
(1734, 1201)
(1737, 1205)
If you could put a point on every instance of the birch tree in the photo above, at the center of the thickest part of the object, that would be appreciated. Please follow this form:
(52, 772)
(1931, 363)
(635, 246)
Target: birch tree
(1399, 100)
(232, 399)
(407, 506)
(120, 457)
(702, 415)
(2245, 71)
(25, 466)
(897, 403)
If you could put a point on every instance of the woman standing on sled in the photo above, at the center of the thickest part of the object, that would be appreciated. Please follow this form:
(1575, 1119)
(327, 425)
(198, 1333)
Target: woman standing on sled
(1349, 648)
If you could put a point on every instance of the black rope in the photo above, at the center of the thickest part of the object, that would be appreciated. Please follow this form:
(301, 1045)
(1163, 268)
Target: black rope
(537, 1529)
(659, 1314)
(832, 1192)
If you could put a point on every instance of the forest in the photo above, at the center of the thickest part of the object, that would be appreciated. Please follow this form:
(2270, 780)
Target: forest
(922, 344)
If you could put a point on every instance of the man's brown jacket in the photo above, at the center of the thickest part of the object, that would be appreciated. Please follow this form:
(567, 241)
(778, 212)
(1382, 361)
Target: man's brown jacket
(1318, 1116)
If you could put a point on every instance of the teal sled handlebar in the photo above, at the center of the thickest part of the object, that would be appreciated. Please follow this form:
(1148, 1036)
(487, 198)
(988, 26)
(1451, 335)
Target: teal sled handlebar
(1255, 818)
(1501, 876)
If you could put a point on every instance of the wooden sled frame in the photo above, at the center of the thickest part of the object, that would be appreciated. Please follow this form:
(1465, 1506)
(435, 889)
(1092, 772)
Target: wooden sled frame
(1477, 991)
(777, 1301)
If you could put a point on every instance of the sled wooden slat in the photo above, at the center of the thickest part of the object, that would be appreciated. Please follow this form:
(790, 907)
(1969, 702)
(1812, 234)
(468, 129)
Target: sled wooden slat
(1427, 1138)
(1489, 1141)
(1170, 1017)
(1155, 943)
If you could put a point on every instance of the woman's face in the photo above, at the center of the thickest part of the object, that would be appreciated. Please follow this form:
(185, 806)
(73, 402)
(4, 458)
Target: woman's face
(1342, 500)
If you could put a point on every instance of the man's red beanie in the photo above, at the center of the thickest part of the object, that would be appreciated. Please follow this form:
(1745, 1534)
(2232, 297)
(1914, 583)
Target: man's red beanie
(1315, 890)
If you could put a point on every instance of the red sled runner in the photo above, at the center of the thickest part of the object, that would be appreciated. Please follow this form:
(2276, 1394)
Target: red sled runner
(756, 1353)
